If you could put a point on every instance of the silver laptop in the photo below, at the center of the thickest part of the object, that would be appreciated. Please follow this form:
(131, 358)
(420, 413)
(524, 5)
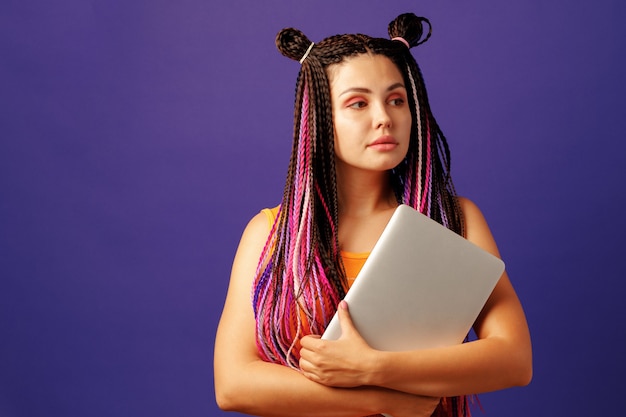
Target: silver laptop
(421, 287)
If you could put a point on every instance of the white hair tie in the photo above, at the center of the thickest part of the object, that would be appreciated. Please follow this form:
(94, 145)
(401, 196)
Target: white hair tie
(306, 53)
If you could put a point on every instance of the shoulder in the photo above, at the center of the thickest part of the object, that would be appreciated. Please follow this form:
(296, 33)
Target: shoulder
(256, 233)
(249, 251)
(258, 227)
(468, 207)
(476, 228)
(270, 214)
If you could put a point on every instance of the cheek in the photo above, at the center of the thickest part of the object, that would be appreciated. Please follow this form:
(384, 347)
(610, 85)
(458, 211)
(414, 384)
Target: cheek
(345, 140)
(405, 131)
(344, 130)
(405, 126)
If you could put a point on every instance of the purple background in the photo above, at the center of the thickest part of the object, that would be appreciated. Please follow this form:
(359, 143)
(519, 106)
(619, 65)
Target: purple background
(138, 137)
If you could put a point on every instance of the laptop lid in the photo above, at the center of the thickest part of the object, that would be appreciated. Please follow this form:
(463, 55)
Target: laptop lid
(421, 287)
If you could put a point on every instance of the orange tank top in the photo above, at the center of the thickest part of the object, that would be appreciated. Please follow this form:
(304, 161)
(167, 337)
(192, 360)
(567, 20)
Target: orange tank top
(352, 262)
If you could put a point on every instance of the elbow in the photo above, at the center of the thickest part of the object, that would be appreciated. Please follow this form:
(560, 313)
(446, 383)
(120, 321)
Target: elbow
(224, 402)
(521, 378)
(234, 387)
(523, 370)
(232, 394)
(229, 386)
(514, 366)
(227, 394)
(226, 397)
(526, 375)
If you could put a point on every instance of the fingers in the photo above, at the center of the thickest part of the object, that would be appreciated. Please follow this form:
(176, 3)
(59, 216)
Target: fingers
(309, 342)
(345, 320)
(308, 370)
(309, 346)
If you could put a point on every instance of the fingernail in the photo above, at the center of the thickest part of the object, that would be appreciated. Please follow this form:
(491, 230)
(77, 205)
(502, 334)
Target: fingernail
(343, 304)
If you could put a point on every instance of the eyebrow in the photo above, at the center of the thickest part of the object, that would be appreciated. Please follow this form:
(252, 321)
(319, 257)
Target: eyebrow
(367, 90)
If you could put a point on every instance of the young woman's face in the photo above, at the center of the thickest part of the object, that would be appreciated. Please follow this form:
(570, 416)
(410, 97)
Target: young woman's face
(371, 114)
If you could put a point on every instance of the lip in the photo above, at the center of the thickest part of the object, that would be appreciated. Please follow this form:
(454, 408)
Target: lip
(383, 143)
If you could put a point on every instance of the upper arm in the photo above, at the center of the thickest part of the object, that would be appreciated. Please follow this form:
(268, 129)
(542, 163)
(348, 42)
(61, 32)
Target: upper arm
(502, 316)
(235, 340)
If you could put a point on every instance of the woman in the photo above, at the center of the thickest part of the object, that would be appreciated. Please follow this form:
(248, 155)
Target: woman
(364, 142)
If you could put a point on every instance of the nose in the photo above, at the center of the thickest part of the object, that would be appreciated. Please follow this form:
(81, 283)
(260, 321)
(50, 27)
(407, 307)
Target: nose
(381, 118)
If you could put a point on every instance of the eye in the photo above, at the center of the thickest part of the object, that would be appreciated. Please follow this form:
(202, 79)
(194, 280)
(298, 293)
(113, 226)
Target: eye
(357, 103)
(397, 101)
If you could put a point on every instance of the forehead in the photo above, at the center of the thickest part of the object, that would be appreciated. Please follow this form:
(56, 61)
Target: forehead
(363, 71)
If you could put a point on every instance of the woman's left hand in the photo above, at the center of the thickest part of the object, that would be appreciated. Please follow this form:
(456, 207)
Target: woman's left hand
(345, 362)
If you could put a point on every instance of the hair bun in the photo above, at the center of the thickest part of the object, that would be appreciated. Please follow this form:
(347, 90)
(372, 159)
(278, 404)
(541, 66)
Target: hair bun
(410, 28)
(292, 43)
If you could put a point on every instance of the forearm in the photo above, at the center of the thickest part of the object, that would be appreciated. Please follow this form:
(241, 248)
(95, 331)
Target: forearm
(264, 389)
(479, 366)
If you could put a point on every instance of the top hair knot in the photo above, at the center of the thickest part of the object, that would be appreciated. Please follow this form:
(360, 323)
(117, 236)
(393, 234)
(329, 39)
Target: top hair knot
(409, 27)
(293, 44)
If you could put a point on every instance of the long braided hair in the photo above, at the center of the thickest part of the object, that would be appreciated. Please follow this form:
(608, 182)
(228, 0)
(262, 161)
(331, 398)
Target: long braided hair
(300, 277)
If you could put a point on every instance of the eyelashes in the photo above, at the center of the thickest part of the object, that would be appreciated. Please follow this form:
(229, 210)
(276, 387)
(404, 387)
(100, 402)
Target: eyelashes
(360, 103)
(356, 104)
(398, 101)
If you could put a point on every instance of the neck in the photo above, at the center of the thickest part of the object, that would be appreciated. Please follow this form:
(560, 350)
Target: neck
(362, 193)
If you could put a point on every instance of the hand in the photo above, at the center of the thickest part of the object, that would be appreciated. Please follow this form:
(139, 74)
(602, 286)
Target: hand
(345, 362)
